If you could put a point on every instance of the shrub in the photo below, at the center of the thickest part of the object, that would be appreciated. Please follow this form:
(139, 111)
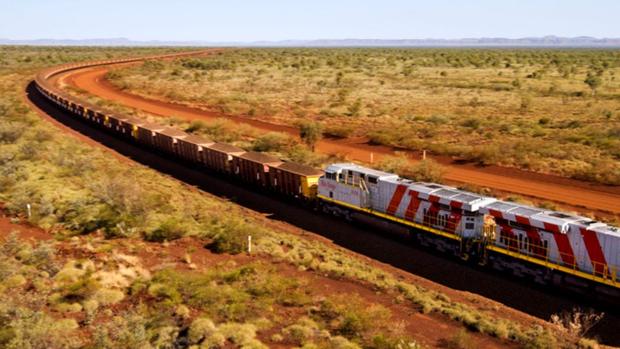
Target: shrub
(544, 121)
(195, 126)
(338, 131)
(68, 307)
(205, 64)
(165, 293)
(460, 340)
(310, 133)
(577, 322)
(426, 170)
(383, 342)
(32, 329)
(216, 340)
(585, 343)
(272, 141)
(14, 281)
(339, 342)
(539, 338)
(472, 123)
(10, 132)
(301, 332)
(352, 318)
(526, 103)
(170, 229)
(233, 237)
(240, 334)
(200, 329)
(108, 297)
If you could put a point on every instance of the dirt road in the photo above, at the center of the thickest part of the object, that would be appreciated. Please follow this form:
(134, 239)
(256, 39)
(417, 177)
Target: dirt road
(574, 193)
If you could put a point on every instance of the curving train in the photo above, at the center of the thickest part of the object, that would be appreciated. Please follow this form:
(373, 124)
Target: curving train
(547, 247)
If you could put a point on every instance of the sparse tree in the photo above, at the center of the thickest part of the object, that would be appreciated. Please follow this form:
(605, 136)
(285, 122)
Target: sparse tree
(593, 81)
(577, 322)
(310, 133)
(526, 103)
(339, 77)
(355, 108)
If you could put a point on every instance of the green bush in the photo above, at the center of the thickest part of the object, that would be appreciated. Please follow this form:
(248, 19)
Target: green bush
(272, 142)
(460, 340)
(232, 237)
(168, 230)
(426, 170)
(196, 126)
(338, 131)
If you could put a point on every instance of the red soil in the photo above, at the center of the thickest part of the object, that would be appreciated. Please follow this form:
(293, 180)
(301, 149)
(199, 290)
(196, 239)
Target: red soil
(575, 194)
(431, 330)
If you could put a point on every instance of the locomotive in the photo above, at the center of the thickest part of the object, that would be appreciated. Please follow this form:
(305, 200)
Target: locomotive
(545, 246)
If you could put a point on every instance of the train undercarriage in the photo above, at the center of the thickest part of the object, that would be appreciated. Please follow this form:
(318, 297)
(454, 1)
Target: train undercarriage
(475, 253)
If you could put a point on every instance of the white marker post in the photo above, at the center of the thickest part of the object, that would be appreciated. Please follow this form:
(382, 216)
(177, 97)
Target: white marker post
(249, 244)
(372, 155)
(29, 208)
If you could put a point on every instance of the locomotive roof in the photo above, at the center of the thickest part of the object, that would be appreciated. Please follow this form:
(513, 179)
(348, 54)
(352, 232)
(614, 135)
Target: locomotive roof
(603, 228)
(260, 157)
(299, 169)
(537, 217)
(447, 195)
(541, 218)
(357, 168)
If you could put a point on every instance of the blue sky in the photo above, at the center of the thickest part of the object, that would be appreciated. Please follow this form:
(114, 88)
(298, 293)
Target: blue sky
(236, 20)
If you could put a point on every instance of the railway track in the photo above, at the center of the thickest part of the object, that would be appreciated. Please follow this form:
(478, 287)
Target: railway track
(451, 273)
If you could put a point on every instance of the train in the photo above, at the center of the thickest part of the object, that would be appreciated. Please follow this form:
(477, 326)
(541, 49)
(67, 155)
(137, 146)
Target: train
(545, 246)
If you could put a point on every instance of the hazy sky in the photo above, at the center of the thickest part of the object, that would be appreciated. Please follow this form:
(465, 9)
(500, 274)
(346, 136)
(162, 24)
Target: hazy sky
(235, 20)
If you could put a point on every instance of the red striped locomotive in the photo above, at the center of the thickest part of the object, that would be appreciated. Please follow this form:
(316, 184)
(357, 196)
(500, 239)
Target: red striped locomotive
(545, 246)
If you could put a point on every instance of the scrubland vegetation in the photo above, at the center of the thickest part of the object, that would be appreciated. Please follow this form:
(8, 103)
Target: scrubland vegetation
(99, 285)
(550, 111)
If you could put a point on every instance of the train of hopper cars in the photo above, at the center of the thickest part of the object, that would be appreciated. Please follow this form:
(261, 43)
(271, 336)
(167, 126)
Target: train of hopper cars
(548, 247)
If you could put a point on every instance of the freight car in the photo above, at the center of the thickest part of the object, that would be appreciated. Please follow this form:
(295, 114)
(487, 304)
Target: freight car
(296, 180)
(253, 167)
(545, 246)
(219, 156)
(168, 140)
(191, 148)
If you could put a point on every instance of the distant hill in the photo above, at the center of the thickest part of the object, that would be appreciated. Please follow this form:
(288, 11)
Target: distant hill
(545, 41)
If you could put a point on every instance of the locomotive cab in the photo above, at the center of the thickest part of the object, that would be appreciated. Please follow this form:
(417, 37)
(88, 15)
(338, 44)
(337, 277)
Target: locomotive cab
(472, 224)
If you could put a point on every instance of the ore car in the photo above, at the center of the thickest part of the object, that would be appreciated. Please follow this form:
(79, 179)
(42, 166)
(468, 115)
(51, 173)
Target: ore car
(147, 131)
(192, 148)
(253, 167)
(218, 156)
(295, 180)
(167, 139)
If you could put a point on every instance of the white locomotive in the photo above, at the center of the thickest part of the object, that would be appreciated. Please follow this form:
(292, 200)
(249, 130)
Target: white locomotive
(548, 246)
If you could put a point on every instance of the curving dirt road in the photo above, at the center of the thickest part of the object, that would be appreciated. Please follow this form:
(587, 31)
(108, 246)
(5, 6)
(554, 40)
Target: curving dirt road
(573, 193)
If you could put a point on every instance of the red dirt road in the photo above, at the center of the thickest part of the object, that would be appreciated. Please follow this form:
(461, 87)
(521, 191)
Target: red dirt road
(570, 192)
